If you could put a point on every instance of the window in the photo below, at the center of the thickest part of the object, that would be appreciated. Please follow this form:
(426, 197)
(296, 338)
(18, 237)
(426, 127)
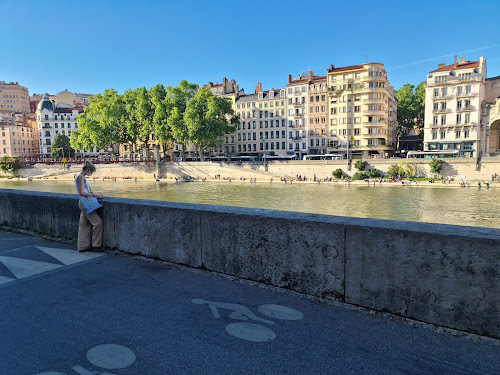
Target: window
(457, 134)
(442, 134)
(468, 89)
(444, 91)
(436, 93)
(435, 120)
(467, 118)
(459, 104)
(466, 133)
(459, 90)
(459, 119)
(443, 120)
(434, 134)
(356, 131)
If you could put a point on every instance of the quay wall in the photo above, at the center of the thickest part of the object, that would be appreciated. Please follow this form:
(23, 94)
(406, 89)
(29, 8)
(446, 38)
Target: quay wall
(440, 274)
(463, 168)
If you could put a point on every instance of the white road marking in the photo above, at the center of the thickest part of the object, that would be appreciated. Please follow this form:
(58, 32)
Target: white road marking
(111, 356)
(239, 311)
(280, 312)
(250, 332)
(4, 279)
(24, 268)
(66, 256)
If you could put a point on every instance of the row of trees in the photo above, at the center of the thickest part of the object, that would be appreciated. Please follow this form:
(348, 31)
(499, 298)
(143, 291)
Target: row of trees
(180, 114)
(411, 108)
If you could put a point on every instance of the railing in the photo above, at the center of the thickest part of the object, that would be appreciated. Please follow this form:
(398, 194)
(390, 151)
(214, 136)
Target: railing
(369, 100)
(464, 95)
(440, 110)
(465, 108)
(297, 115)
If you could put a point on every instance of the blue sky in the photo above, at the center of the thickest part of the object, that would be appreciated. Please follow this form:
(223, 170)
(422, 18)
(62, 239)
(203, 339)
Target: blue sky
(89, 46)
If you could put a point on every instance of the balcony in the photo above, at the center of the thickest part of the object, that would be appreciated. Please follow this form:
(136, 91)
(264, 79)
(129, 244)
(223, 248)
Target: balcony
(378, 123)
(373, 136)
(466, 108)
(298, 115)
(374, 100)
(466, 95)
(375, 111)
(440, 110)
(298, 104)
(442, 97)
(298, 126)
(295, 138)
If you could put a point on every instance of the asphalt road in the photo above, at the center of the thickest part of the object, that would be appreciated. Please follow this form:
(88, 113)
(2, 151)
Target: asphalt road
(68, 313)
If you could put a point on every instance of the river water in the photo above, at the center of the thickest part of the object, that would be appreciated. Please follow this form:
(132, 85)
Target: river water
(435, 204)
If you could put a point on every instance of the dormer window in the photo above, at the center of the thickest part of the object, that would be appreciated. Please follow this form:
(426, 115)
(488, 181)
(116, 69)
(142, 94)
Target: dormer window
(260, 95)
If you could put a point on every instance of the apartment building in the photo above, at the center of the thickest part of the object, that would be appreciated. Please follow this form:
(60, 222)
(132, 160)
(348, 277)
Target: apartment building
(491, 112)
(297, 91)
(453, 116)
(13, 98)
(52, 120)
(318, 115)
(362, 111)
(262, 129)
(19, 136)
(72, 99)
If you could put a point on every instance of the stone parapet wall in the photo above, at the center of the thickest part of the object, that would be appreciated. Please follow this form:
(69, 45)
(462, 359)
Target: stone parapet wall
(440, 274)
(453, 169)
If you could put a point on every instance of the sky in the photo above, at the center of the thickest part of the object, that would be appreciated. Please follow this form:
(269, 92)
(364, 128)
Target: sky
(90, 46)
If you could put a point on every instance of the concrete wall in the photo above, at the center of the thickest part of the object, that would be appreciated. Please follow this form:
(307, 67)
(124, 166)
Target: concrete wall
(440, 274)
(456, 168)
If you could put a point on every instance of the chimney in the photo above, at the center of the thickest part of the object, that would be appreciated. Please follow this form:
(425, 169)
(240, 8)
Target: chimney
(289, 78)
(461, 60)
(224, 80)
(330, 68)
(455, 63)
(441, 65)
(310, 75)
(210, 84)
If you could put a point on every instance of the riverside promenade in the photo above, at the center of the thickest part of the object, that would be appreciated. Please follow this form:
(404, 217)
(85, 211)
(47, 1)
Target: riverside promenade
(65, 312)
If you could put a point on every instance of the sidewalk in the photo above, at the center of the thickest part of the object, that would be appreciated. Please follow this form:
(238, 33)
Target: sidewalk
(63, 312)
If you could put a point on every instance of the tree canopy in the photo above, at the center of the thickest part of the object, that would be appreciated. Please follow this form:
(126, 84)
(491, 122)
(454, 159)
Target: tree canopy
(411, 108)
(61, 147)
(208, 119)
(180, 114)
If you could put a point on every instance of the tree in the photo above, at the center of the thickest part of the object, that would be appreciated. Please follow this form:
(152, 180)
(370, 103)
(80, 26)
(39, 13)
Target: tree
(360, 165)
(144, 113)
(411, 108)
(337, 173)
(436, 166)
(208, 119)
(61, 147)
(160, 126)
(176, 103)
(9, 164)
(101, 123)
(393, 171)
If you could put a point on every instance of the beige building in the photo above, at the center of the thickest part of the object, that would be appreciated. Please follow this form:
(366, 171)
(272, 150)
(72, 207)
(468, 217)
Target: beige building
(318, 115)
(262, 127)
(297, 91)
(362, 111)
(19, 136)
(491, 113)
(453, 116)
(69, 99)
(13, 98)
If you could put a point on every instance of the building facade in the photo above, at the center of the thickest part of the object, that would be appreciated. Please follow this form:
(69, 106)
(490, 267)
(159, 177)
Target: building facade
(262, 127)
(13, 98)
(318, 116)
(297, 92)
(51, 121)
(19, 136)
(491, 112)
(362, 111)
(453, 116)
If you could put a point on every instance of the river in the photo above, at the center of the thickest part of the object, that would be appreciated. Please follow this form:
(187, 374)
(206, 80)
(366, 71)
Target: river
(435, 204)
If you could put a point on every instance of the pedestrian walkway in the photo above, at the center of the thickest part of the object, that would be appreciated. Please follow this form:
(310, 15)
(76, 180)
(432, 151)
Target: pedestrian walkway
(63, 312)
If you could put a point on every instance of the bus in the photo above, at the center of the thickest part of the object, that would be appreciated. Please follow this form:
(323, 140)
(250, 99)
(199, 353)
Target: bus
(432, 154)
(278, 157)
(324, 157)
(218, 158)
(242, 158)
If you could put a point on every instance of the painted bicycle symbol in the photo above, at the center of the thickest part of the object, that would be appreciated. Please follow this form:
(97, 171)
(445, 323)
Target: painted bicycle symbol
(107, 356)
(251, 331)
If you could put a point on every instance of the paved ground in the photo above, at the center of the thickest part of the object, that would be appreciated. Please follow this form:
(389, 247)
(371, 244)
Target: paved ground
(68, 313)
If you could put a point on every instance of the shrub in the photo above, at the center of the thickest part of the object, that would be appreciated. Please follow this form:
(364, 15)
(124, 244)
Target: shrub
(337, 173)
(373, 173)
(436, 166)
(10, 164)
(360, 165)
(393, 171)
(359, 176)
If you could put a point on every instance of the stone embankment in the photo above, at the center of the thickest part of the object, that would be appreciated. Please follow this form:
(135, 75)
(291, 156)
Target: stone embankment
(440, 274)
(455, 169)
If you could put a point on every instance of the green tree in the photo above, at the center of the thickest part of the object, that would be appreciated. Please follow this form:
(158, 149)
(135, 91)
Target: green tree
(144, 116)
(61, 147)
(373, 173)
(160, 126)
(436, 166)
(337, 173)
(208, 119)
(411, 108)
(9, 164)
(176, 102)
(101, 123)
(393, 171)
(360, 165)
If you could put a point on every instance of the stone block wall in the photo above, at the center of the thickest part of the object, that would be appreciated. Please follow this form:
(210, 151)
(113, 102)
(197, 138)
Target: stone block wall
(439, 274)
